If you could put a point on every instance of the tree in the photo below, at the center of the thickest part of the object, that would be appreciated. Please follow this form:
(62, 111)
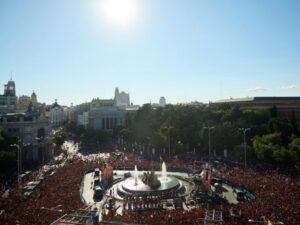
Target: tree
(282, 126)
(59, 137)
(269, 148)
(284, 158)
(265, 145)
(294, 146)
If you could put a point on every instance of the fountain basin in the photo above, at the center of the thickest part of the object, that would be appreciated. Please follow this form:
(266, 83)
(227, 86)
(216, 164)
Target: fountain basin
(169, 184)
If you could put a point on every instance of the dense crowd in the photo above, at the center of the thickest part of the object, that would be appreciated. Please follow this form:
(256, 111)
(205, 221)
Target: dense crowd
(277, 196)
(161, 217)
(59, 191)
(277, 199)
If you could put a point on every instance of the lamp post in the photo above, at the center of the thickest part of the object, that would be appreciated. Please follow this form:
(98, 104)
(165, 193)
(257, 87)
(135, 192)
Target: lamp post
(209, 128)
(244, 130)
(19, 146)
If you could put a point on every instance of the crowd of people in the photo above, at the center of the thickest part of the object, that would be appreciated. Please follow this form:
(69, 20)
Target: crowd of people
(56, 195)
(277, 196)
(160, 217)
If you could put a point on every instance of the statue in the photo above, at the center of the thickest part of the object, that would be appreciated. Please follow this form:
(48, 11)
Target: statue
(151, 180)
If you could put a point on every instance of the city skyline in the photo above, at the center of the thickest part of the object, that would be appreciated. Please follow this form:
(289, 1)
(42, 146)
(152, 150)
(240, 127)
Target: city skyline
(203, 51)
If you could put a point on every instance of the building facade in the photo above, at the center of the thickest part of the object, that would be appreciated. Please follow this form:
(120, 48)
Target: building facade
(122, 99)
(162, 101)
(57, 114)
(104, 114)
(24, 101)
(286, 107)
(83, 120)
(33, 130)
(8, 101)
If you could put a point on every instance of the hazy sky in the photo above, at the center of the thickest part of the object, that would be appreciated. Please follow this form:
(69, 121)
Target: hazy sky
(185, 50)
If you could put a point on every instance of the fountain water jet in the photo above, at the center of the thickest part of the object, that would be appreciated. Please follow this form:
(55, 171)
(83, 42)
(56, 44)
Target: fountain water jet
(150, 183)
(164, 171)
(135, 175)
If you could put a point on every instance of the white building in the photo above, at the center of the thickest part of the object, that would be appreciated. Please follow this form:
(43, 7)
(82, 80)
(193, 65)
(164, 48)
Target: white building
(105, 115)
(56, 114)
(33, 130)
(162, 101)
(83, 119)
(24, 101)
(122, 99)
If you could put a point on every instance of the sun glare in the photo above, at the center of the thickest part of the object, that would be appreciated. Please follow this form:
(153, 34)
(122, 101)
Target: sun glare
(120, 13)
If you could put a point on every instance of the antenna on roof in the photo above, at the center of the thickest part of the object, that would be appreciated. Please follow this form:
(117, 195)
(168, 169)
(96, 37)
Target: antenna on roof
(10, 75)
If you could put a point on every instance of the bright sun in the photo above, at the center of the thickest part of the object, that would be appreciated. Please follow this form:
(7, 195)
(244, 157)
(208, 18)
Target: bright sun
(120, 13)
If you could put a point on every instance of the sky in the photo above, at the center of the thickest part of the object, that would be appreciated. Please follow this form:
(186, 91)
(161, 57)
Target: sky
(185, 50)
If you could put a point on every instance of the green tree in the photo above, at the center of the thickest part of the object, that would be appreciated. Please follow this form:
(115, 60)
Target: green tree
(59, 137)
(294, 146)
(269, 148)
(265, 145)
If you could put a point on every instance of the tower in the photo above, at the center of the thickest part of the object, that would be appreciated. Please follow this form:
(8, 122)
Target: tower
(116, 93)
(33, 98)
(10, 88)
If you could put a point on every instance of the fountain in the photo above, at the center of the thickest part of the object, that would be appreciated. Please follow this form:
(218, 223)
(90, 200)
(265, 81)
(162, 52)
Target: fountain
(163, 171)
(150, 183)
(135, 175)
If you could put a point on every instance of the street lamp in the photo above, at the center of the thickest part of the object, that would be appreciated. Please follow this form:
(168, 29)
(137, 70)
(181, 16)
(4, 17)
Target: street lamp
(19, 146)
(244, 130)
(209, 144)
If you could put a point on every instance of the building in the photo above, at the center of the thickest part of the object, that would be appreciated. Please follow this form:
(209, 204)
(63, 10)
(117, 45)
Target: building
(83, 119)
(102, 114)
(8, 101)
(286, 107)
(34, 99)
(162, 101)
(24, 101)
(122, 99)
(79, 114)
(105, 114)
(194, 103)
(57, 114)
(71, 115)
(33, 129)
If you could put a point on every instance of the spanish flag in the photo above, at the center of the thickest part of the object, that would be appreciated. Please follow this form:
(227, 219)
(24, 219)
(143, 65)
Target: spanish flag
(269, 222)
